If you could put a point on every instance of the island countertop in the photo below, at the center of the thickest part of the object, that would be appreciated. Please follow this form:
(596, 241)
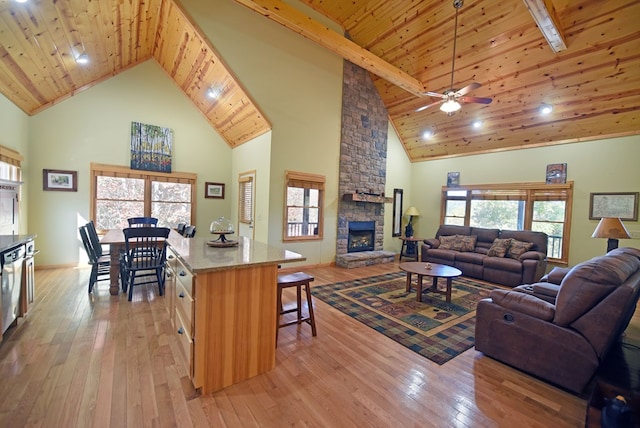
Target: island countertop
(9, 241)
(200, 257)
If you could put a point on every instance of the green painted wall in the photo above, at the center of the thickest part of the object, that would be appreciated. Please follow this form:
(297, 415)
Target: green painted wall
(94, 126)
(597, 166)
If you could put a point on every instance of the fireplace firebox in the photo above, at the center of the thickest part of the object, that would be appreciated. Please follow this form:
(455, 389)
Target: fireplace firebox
(361, 236)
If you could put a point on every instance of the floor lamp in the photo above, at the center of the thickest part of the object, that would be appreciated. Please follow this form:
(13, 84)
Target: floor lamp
(612, 229)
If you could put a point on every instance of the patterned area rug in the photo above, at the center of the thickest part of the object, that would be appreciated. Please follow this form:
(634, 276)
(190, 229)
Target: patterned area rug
(433, 328)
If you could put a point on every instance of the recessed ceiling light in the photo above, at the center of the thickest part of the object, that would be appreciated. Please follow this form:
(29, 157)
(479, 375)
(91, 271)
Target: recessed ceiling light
(477, 124)
(428, 134)
(213, 93)
(546, 108)
(21, 1)
(83, 58)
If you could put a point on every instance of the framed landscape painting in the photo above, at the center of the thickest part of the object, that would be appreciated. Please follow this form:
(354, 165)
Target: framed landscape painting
(214, 190)
(622, 205)
(63, 181)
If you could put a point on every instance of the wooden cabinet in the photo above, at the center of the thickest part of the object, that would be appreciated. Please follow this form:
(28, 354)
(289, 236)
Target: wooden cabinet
(224, 306)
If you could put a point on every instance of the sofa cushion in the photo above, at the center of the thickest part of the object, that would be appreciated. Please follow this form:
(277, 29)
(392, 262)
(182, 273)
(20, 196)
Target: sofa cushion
(471, 257)
(518, 248)
(458, 242)
(539, 239)
(556, 275)
(590, 282)
(499, 247)
(503, 264)
(448, 242)
(450, 229)
(485, 236)
(446, 256)
(523, 303)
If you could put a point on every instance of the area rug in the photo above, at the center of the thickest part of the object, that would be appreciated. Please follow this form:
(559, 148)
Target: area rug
(433, 328)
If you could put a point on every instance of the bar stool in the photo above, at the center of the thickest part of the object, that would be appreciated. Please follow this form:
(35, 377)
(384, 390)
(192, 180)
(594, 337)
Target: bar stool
(297, 280)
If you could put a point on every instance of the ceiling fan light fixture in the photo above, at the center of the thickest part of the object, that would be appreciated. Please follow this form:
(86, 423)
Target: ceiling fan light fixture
(450, 106)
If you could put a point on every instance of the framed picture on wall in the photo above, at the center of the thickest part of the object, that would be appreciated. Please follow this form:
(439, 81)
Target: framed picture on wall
(397, 212)
(62, 181)
(622, 205)
(214, 190)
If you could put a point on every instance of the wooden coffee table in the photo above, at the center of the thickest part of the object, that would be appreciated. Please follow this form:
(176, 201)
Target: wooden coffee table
(435, 271)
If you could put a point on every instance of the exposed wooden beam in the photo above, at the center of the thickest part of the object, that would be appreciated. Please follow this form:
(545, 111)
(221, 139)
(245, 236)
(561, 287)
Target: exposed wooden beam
(545, 16)
(302, 24)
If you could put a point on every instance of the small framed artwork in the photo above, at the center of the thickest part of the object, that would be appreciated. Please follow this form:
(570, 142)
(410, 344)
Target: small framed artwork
(397, 212)
(557, 173)
(622, 205)
(214, 190)
(453, 179)
(62, 181)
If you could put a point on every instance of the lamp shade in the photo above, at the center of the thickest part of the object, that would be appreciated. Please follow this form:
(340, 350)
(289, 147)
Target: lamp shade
(611, 227)
(412, 211)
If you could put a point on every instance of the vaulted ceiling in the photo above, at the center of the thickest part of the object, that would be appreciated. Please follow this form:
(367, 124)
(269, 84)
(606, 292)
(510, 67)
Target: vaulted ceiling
(592, 82)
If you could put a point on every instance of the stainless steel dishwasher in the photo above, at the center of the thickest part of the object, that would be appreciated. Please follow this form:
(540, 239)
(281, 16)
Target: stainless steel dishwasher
(12, 261)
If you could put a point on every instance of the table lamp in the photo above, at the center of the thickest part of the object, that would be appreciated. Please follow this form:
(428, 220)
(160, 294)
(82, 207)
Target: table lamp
(612, 229)
(412, 211)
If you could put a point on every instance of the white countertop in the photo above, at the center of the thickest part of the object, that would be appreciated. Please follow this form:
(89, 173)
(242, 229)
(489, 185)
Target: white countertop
(200, 257)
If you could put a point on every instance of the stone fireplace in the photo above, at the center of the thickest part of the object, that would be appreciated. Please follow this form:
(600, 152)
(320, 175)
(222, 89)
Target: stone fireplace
(361, 236)
(363, 169)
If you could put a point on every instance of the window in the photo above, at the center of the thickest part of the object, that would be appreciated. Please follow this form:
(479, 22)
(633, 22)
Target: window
(245, 199)
(527, 206)
(303, 210)
(118, 193)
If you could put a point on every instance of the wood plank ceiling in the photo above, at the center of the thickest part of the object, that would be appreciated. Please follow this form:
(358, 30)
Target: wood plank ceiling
(593, 85)
(41, 39)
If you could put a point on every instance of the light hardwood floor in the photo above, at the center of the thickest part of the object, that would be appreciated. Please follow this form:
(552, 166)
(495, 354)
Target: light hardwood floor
(89, 360)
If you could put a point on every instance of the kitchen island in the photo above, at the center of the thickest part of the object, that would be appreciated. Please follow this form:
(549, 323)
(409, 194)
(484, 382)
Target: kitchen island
(222, 303)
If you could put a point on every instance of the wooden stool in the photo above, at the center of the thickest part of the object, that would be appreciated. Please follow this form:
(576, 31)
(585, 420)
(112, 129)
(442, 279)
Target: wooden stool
(297, 280)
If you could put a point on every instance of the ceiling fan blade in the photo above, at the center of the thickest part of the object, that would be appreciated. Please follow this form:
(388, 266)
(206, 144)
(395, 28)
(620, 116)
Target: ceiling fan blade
(470, 87)
(435, 94)
(479, 100)
(427, 106)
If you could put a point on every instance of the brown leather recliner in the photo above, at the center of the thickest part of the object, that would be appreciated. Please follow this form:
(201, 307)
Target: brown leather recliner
(563, 343)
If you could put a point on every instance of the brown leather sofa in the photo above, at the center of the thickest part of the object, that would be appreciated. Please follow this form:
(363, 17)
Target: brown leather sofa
(471, 249)
(563, 342)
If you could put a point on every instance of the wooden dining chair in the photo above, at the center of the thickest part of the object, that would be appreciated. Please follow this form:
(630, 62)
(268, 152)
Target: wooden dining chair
(142, 221)
(100, 264)
(95, 239)
(189, 231)
(180, 228)
(143, 261)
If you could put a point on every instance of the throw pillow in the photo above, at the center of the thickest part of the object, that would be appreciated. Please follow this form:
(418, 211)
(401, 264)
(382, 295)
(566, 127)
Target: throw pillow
(499, 247)
(518, 248)
(468, 243)
(447, 242)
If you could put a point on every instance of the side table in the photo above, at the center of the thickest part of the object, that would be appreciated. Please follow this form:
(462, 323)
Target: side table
(410, 248)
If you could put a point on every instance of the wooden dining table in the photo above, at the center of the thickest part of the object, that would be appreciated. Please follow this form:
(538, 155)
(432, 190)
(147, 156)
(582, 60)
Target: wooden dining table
(114, 238)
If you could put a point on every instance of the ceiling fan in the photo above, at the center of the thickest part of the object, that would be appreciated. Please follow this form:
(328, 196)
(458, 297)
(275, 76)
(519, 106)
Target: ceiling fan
(450, 99)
